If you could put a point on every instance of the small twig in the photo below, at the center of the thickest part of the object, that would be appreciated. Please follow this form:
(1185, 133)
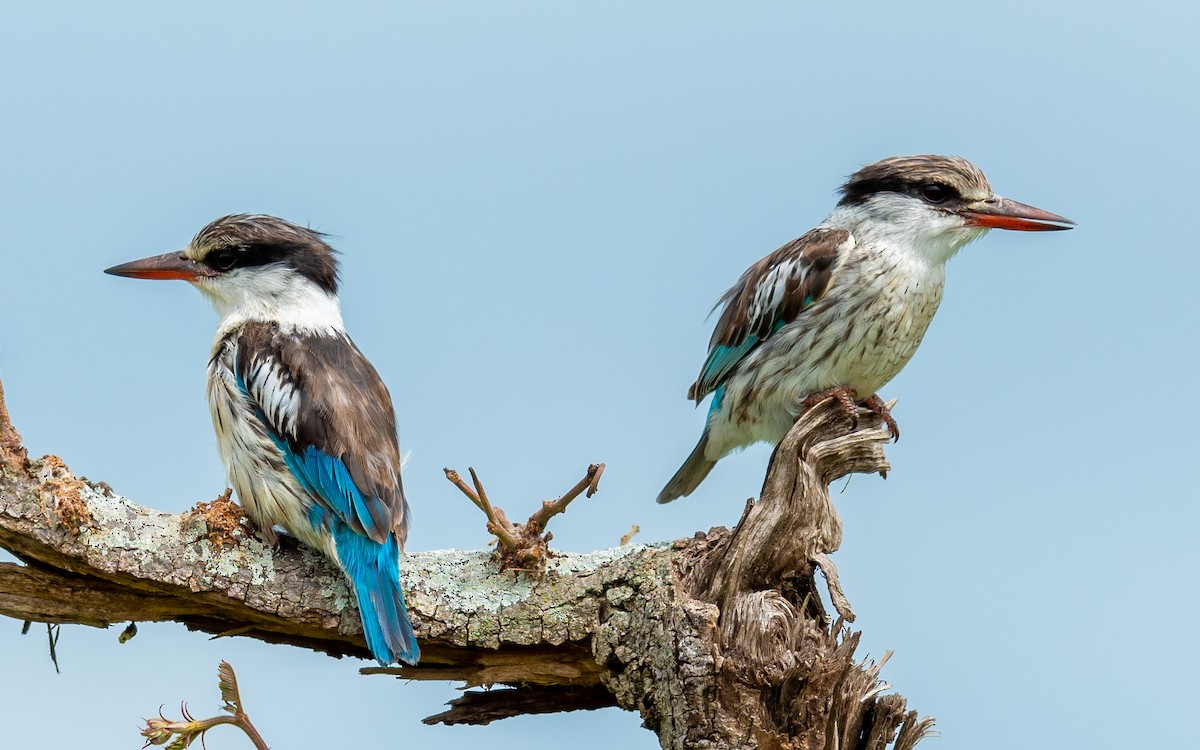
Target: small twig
(52, 633)
(834, 584)
(181, 734)
(629, 535)
(523, 546)
(233, 632)
(458, 482)
(551, 508)
(498, 524)
(481, 493)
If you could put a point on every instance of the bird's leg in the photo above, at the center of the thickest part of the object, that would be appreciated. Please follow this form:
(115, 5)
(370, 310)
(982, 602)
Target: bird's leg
(266, 533)
(848, 399)
(268, 536)
(876, 404)
(843, 394)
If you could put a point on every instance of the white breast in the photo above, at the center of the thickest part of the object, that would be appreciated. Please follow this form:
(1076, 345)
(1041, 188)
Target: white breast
(264, 485)
(860, 334)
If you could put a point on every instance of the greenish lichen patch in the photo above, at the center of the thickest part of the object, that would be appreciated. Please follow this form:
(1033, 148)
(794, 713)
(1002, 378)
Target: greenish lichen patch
(140, 535)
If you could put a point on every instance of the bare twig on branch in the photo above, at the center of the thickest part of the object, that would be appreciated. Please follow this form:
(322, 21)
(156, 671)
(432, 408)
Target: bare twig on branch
(523, 546)
(628, 536)
(181, 734)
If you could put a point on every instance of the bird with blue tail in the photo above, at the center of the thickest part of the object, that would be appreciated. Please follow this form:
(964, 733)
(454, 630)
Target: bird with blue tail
(839, 311)
(305, 426)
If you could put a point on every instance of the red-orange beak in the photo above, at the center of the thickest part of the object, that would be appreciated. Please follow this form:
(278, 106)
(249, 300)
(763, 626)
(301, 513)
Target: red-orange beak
(174, 265)
(1001, 213)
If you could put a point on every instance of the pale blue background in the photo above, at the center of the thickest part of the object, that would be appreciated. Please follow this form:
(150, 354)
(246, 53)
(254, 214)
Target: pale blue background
(538, 203)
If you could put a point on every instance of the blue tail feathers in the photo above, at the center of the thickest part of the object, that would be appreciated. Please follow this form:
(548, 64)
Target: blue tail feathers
(374, 573)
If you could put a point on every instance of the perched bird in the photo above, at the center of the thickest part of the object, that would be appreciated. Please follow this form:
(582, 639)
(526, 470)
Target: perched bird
(304, 424)
(840, 310)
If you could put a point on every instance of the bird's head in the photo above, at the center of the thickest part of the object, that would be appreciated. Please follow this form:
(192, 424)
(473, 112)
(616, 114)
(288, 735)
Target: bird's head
(937, 204)
(253, 267)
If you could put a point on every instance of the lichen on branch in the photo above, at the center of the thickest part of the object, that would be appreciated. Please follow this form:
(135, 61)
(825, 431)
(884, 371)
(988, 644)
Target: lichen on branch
(719, 641)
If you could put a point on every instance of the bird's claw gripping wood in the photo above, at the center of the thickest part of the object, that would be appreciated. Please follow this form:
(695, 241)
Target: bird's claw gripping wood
(877, 405)
(843, 394)
(847, 398)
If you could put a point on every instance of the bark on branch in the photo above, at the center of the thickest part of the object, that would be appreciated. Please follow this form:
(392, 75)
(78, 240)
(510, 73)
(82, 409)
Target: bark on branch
(717, 641)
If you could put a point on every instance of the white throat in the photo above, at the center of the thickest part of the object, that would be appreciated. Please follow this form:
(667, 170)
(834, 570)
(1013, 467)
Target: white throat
(271, 294)
(900, 223)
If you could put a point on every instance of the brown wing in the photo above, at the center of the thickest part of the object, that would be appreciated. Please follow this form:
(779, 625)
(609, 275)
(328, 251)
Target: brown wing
(332, 416)
(770, 294)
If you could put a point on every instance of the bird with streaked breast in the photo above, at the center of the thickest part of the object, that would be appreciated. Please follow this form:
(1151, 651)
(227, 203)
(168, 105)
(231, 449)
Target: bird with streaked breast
(839, 311)
(305, 426)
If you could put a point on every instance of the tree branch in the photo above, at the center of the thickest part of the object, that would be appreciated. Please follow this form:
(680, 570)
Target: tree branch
(717, 641)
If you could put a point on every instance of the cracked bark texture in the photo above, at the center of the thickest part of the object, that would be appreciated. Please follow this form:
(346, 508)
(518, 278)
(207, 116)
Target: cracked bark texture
(717, 643)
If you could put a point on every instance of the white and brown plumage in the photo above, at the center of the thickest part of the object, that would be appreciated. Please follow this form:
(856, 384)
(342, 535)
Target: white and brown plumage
(304, 424)
(843, 307)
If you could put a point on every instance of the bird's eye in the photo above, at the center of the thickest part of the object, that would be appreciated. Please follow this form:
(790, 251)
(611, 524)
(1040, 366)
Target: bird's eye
(224, 260)
(935, 192)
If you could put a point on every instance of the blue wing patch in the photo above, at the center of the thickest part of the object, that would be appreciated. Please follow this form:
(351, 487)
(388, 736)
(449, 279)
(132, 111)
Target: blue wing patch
(722, 359)
(328, 478)
(373, 568)
(772, 293)
(717, 399)
(324, 477)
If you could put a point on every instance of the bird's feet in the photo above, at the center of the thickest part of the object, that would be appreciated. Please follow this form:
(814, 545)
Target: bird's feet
(876, 404)
(843, 394)
(848, 399)
(265, 533)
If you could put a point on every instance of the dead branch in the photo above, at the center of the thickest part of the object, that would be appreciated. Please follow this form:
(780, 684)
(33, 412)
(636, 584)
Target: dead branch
(717, 642)
(486, 706)
(523, 546)
(782, 671)
(794, 526)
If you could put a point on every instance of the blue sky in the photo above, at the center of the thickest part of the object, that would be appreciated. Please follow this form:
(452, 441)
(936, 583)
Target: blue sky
(537, 205)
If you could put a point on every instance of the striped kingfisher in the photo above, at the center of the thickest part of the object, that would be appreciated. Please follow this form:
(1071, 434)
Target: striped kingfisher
(305, 425)
(840, 310)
